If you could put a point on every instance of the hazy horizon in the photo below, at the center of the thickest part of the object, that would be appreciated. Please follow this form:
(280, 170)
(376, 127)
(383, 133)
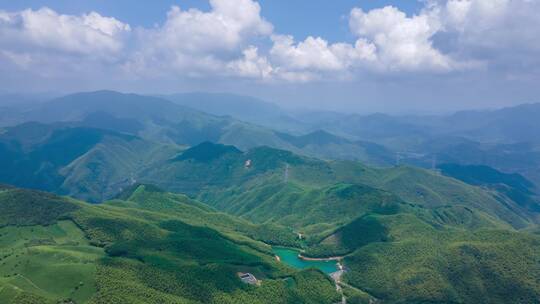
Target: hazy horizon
(353, 56)
(39, 97)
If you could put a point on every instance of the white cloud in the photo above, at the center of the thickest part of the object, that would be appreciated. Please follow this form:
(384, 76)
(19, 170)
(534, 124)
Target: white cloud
(492, 24)
(311, 53)
(403, 43)
(251, 65)
(45, 30)
(197, 42)
(500, 34)
(480, 14)
(232, 39)
(226, 26)
(318, 54)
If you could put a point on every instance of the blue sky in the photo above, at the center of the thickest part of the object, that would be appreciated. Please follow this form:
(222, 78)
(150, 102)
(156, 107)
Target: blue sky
(363, 55)
(325, 18)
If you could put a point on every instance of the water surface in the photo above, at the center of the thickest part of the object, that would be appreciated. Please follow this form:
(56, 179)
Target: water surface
(290, 257)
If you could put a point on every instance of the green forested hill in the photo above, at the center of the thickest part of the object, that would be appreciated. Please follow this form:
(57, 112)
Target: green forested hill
(151, 118)
(405, 234)
(91, 164)
(278, 184)
(408, 235)
(151, 247)
(419, 263)
(515, 186)
(159, 120)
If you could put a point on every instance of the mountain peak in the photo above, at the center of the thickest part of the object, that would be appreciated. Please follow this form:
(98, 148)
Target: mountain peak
(127, 193)
(207, 151)
(318, 137)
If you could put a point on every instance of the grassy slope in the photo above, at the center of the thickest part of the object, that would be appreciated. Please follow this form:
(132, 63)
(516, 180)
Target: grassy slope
(108, 167)
(432, 190)
(91, 164)
(195, 213)
(419, 263)
(261, 194)
(515, 186)
(149, 255)
(436, 240)
(32, 255)
(417, 230)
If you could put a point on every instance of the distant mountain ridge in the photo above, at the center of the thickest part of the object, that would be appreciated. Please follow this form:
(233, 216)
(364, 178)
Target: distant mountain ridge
(245, 108)
(187, 194)
(472, 137)
(89, 163)
(281, 177)
(160, 120)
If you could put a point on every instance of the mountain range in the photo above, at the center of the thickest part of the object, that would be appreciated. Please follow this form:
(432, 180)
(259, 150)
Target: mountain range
(125, 198)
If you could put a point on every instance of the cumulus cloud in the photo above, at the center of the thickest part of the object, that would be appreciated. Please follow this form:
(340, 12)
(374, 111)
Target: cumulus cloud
(318, 54)
(199, 41)
(492, 24)
(88, 34)
(46, 44)
(402, 42)
(502, 35)
(477, 34)
(251, 65)
(225, 27)
(232, 39)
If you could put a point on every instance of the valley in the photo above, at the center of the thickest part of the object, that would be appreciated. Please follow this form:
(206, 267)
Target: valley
(170, 204)
(290, 257)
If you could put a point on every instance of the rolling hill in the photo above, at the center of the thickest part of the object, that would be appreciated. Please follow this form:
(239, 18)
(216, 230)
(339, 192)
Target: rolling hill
(152, 118)
(410, 261)
(505, 139)
(160, 120)
(405, 234)
(275, 179)
(245, 108)
(507, 125)
(151, 246)
(464, 233)
(92, 164)
(101, 163)
(136, 251)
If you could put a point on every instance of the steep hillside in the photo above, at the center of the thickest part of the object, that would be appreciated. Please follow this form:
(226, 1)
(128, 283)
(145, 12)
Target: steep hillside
(505, 139)
(433, 190)
(508, 125)
(277, 184)
(160, 120)
(424, 238)
(245, 108)
(515, 186)
(152, 118)
(405, 260)
(520, 158)
(133, 252)
(89, 163)
(148, 197)
(329, 146)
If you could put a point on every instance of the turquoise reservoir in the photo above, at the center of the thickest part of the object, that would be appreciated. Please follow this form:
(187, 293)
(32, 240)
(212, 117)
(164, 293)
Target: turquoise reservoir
(290, 257)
